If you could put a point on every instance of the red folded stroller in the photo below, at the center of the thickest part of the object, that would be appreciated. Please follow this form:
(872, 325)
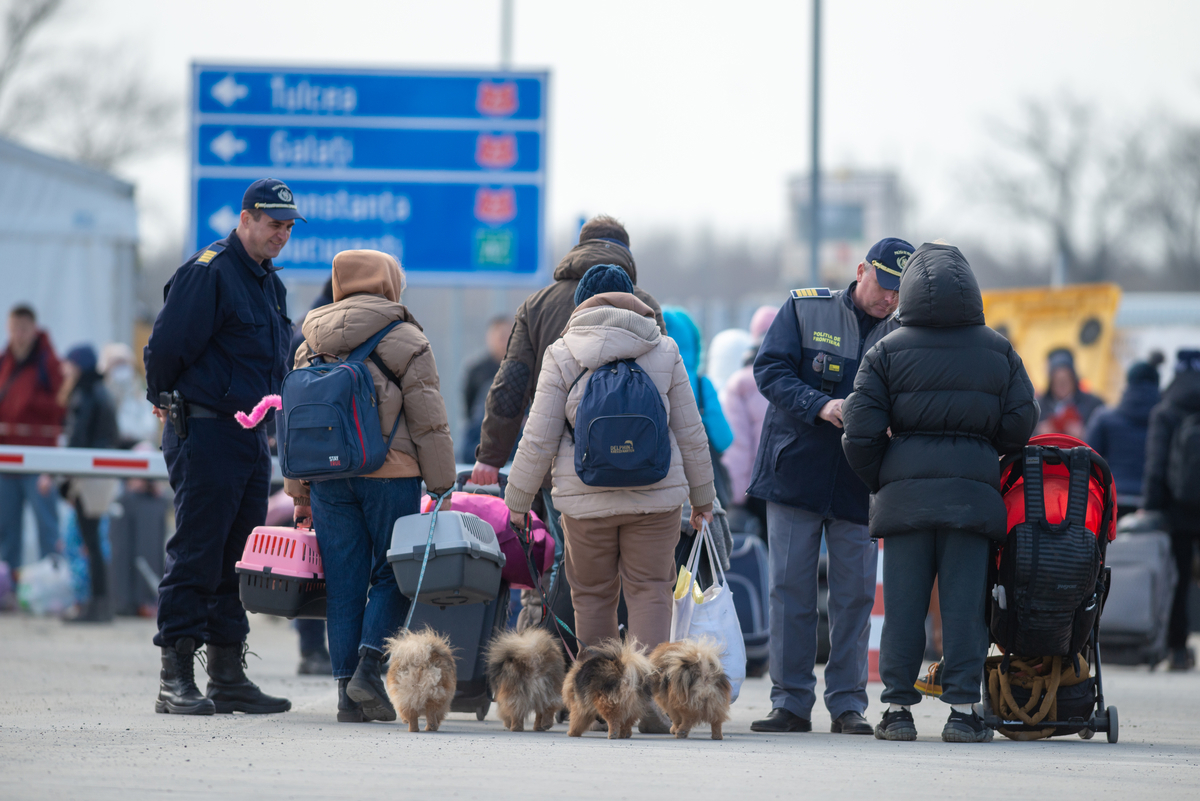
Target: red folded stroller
(1049, 583)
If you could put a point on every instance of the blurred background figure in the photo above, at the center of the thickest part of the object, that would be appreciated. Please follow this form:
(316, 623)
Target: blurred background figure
(745, 407)
(726, 355)
(1172, 486)
(478, 381)
(1066, 408)
(685, 332)
(135, 418)
(1119, 434)
(30, 414)
(91, 423)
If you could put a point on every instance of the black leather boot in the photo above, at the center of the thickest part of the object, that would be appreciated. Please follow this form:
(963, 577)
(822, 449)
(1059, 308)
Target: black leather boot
(229, 688)
(348, 711)
(366, 686)
(177, 690)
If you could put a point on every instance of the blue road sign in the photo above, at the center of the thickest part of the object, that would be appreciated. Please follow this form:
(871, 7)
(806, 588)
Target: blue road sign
(444, 170)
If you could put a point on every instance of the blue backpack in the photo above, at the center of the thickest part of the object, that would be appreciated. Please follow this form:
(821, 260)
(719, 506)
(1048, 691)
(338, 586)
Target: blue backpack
(621, 432)
(329, 427)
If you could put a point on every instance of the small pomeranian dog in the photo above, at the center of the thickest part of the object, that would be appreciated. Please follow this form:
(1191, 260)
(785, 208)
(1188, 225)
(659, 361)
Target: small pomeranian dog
(525, 672)
(690, 685)
(421, 677)
(610, 681)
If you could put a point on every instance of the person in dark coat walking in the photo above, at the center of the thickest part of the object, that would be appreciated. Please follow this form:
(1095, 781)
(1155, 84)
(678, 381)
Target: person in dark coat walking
(1065, 407)
(935, 404)
(91, 423)
(1119, 434)
(1171, 488)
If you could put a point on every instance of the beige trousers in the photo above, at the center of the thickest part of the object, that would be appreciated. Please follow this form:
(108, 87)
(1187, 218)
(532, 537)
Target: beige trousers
(630, 553)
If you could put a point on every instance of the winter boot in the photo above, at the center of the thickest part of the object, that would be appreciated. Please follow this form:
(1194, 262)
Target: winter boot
(229, 688)
(348, 711)
(366, 686)
(177, 690)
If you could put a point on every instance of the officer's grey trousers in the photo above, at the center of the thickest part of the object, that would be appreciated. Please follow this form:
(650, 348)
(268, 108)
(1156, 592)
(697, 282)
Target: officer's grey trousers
(910, 562)
(795, 546)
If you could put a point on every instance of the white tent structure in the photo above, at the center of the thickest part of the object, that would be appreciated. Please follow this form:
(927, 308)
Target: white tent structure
(68, 236)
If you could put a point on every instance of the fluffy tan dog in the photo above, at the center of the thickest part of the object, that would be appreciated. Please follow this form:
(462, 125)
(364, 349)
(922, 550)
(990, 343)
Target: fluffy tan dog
(421, 677)
(610, 681)
(691, 686)
(525, 671)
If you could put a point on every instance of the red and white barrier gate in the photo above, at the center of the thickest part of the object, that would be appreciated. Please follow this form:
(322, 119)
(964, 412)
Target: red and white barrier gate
(93, 462)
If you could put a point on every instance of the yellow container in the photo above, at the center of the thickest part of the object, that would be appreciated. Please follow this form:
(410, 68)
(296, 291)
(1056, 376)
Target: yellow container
(1079, 318)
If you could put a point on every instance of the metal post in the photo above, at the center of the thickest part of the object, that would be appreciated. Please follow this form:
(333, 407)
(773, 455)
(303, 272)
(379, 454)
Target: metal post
(814, 224)
(506, 25)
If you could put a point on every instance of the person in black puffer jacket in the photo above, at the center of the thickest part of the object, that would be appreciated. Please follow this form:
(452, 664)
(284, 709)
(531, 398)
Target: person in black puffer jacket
(935, 404)
(1174, 490)
(1119, 434)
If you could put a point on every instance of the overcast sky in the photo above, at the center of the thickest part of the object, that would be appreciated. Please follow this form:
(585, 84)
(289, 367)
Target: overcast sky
(680, 114)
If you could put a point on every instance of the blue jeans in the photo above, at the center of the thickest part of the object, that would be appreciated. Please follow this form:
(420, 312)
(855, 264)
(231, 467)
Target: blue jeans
(353, 519)
(15, 492)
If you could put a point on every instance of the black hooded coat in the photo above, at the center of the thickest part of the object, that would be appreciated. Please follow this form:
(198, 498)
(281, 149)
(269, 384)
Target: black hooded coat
(956, 397)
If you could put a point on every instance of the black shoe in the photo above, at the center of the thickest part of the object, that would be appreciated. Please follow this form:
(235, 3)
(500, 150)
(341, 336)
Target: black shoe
(850, 722)
(229, 688)
(962, 728)
(348, 711)
(366, 686)
(1182, 659)
(316, 663)
(781, 720)
(896, 725)
(177, 690)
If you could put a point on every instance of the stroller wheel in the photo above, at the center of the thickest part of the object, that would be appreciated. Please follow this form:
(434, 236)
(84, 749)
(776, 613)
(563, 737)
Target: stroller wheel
(1113, 724)
(1086, 734)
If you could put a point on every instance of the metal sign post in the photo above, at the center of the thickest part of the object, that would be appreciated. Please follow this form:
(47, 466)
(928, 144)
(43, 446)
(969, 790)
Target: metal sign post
(444, 170)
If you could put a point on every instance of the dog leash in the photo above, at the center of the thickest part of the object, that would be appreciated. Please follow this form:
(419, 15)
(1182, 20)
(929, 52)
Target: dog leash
(437, 505)
(525, 537)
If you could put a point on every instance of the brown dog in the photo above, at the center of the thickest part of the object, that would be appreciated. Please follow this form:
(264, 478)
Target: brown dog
(691, 686)
(525, 672)
(421, 677)
(609, 681)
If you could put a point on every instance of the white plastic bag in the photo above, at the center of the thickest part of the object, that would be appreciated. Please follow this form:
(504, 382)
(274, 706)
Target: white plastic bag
(45, 586)
(711, 613)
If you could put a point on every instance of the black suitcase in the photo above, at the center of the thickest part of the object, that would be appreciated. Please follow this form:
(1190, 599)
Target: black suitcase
(749, 578)
(138, 532)
(470, 628)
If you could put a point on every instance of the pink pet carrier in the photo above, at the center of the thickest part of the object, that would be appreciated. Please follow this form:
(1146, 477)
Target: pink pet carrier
(280, 573)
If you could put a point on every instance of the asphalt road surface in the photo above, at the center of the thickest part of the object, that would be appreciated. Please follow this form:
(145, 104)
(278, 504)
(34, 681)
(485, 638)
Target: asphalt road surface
(77, 721)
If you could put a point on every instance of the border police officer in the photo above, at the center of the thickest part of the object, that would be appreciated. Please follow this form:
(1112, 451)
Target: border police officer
(218, 346)
(805, 368)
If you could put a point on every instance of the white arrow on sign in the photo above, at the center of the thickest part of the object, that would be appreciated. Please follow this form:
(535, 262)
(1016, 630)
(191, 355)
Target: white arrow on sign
(224, 220)
(228, 91)
(226, 146)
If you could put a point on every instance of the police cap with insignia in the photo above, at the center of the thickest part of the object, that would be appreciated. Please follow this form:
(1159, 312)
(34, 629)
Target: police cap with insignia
(272, 197)
(888, 257)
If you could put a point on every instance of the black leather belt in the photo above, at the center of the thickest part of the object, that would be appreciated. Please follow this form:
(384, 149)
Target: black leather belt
(196, 410)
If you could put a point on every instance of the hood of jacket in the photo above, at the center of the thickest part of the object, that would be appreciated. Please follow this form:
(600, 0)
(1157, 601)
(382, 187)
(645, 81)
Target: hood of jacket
(589, 253)
(685, 332)
(1184, 391)
(608, 327)
(1138, 399)
(366, 272)
(938, 289)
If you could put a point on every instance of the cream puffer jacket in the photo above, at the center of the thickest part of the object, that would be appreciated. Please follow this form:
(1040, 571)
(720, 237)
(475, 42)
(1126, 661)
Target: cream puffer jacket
(605, 328)
(366, 295)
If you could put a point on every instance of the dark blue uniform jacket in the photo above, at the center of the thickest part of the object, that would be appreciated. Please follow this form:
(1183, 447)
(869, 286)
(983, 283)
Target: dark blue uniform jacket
(800, 460)
(222, 336)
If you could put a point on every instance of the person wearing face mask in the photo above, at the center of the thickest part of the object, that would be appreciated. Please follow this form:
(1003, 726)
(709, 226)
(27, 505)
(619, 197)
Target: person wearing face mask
(805, 369)
(135, 420)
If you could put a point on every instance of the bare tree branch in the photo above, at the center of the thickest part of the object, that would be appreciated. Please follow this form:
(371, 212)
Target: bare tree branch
(21, 21)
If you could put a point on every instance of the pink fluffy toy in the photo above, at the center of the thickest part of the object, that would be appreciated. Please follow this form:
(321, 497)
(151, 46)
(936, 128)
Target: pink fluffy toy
(260, 411)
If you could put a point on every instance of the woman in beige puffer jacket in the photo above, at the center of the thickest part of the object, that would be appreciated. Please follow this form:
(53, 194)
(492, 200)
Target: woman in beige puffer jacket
(617, 538)
(353, 517)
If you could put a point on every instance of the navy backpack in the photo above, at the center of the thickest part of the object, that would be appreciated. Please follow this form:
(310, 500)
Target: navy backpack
(329, 427)
(621, 434)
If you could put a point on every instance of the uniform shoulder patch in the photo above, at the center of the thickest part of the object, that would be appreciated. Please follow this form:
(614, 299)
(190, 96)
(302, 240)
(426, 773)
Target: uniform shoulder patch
(209, 253)
(815, 292)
